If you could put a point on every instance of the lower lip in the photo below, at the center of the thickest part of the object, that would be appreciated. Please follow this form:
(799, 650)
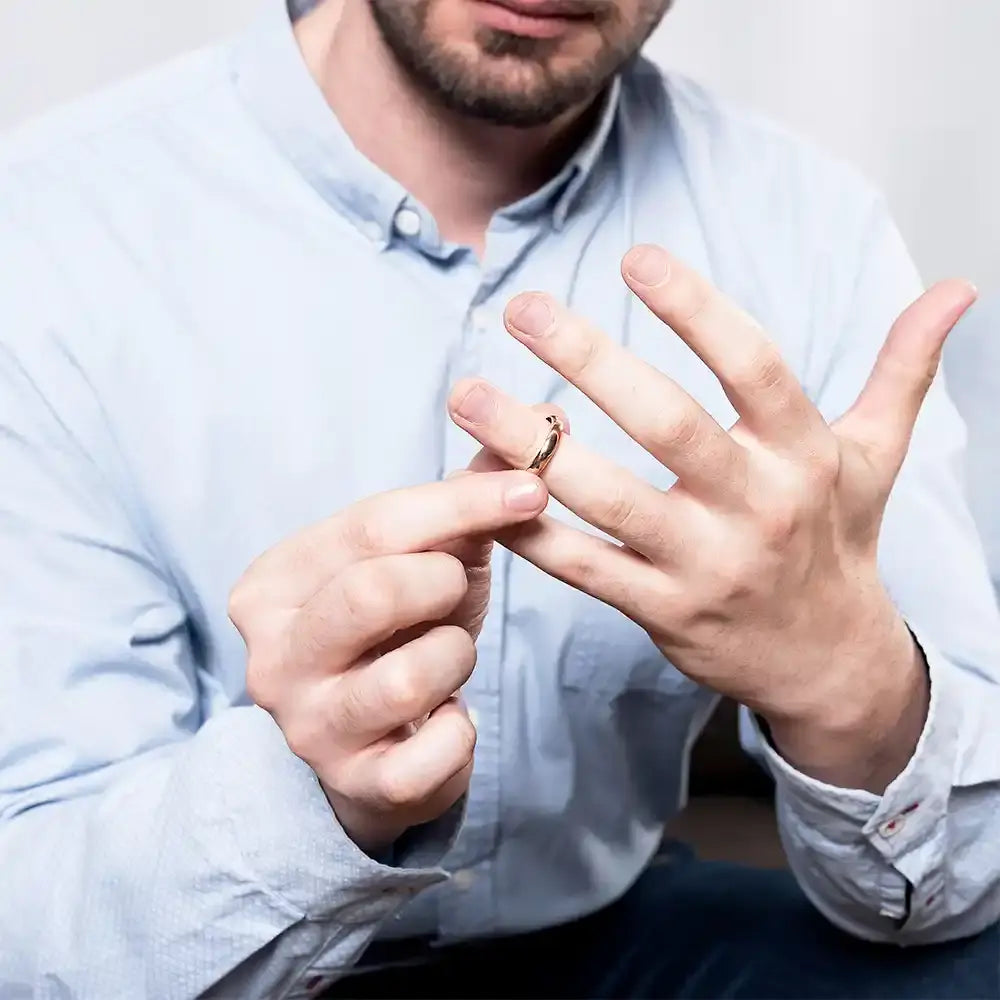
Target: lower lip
(528, 25)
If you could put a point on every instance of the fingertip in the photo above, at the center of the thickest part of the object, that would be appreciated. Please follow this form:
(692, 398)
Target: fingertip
(460, 391)
(530, 314)
(956, 294)
(526, 494)
(646, 265)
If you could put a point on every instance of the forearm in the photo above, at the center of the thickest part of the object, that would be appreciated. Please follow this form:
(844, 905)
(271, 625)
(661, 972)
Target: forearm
(192, 861)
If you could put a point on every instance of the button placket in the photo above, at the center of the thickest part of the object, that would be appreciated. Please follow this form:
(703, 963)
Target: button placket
(480, 320)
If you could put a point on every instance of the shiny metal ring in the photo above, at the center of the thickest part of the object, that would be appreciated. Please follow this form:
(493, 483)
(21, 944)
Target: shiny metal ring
(549, 445)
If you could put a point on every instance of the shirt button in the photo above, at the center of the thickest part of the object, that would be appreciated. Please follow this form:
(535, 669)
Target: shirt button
(407, 222)
(892, 826)
(480, 320)
(373, 231)
(463, 879)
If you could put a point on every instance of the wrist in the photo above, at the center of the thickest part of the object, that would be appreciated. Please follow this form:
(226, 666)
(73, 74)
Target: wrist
(867, 728)
(374, 835)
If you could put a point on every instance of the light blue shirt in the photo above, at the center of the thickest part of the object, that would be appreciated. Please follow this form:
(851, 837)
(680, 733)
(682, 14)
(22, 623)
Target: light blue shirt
(219, 323)
(972, 365)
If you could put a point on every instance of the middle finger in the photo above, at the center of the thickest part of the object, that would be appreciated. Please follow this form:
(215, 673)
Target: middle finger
(648, 405)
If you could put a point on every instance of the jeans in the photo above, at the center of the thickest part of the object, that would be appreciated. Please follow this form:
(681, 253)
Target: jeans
(691, 928)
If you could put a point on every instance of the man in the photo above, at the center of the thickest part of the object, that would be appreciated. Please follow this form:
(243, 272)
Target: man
(240, 300)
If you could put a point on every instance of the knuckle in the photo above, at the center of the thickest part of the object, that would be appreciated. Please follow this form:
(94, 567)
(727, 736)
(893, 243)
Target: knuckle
(466, 653)
(764, 370)
(396, 791)
(262, 684)
(737, 574)
(587, 351)
(458, 649)
(400, 689)
(370, 595)
(825, 463)
(780, 523)
(337, 774)
(465, 738)
(681, 431)
(302, 739)
(582, 568)
(350, 709)
(451, 580)
(694, 299)
(243, 599)
(361, 534)
(619, 510)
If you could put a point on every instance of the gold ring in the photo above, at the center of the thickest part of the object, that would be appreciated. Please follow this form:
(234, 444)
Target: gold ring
(549, 445)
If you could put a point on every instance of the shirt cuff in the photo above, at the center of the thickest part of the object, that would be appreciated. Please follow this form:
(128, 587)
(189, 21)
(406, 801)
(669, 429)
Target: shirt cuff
(906, 824)
(290, 842)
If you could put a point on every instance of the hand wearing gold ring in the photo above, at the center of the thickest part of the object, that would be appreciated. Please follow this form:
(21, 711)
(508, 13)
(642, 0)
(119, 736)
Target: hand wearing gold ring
(756, 573)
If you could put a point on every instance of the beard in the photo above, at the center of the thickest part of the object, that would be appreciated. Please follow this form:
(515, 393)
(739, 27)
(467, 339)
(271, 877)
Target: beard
(510, 79)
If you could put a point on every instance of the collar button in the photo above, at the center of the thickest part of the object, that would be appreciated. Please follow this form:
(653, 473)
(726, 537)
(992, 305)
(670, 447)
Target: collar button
(407, 222)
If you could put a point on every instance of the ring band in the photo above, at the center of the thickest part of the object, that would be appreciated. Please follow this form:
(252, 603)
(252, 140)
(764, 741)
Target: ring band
(549, 445)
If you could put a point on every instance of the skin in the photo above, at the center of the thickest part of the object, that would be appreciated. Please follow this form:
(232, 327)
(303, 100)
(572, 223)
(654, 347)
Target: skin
(361, 629)
(483, 121)
(755, 573)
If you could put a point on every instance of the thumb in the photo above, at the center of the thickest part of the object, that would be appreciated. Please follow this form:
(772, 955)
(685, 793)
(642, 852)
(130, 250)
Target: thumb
(881, 420)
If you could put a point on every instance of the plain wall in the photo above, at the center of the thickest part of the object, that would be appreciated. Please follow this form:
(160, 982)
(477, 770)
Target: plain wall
(906, 89)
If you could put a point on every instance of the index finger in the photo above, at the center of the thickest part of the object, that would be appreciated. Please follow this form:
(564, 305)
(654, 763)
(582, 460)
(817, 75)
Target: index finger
(756, 379)
(413, 519)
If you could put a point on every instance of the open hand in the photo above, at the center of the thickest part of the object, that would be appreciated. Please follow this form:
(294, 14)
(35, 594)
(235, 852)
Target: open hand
(756, 573)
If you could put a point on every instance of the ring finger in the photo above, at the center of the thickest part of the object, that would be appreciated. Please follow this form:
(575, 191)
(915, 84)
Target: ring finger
(604, 494)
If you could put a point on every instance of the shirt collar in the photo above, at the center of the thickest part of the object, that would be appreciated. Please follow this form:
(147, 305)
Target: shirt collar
(275, 85)
(581, 166)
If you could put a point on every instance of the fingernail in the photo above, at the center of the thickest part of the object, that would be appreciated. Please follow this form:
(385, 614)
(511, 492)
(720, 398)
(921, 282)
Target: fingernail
(647, 265)
(524, 496)
(531, 315)
(477, 406)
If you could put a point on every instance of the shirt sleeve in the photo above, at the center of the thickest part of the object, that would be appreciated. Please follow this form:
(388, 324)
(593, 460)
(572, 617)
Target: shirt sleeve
(919, 863)
(147, 847)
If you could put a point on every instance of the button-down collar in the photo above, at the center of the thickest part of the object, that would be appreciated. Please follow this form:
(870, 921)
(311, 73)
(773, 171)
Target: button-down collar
(278, 90)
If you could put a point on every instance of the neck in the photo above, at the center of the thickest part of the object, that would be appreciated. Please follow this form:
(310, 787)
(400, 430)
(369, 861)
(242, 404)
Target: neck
(462, 170)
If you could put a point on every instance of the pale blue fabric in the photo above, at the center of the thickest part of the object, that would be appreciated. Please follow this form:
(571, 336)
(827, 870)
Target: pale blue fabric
(972, 364)
(212, 336)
